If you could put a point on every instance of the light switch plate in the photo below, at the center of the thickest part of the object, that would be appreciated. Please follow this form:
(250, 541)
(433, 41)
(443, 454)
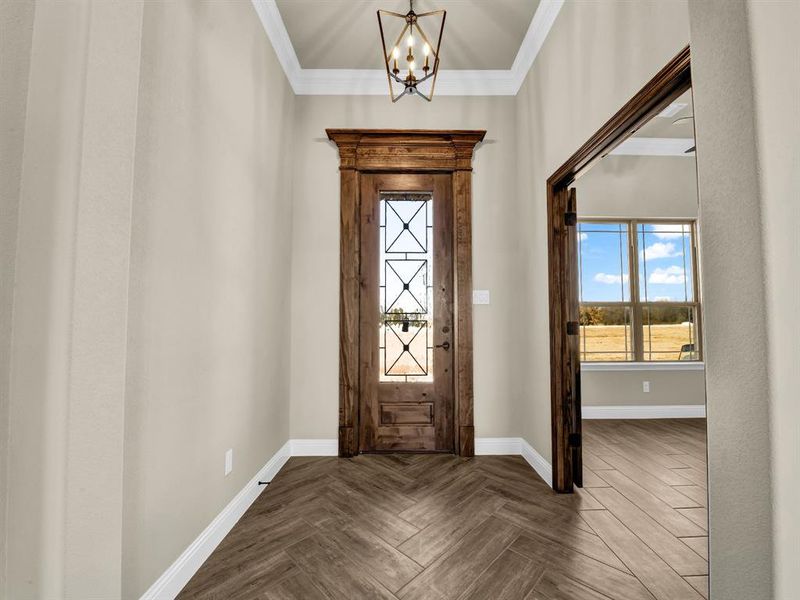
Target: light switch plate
(228, 461)
(480, 297)
(646, 387)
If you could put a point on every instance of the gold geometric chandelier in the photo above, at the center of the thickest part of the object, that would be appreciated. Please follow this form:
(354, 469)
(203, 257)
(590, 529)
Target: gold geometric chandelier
(409, 76)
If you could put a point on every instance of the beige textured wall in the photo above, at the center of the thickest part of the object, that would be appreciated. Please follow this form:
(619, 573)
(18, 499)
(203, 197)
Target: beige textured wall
(39, 360)
(208, 336)
(315, 254)
(205, 221)
(776, 66)
(597, 55)
(639, 187)
(624, 388)
(732, 263)
(16, 33)
(68, 342)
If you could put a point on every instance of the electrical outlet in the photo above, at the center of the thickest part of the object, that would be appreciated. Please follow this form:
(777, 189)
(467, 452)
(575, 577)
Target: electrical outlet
(228, 461)
(646, 387)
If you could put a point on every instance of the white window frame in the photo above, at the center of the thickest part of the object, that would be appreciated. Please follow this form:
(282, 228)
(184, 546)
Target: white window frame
(636, 305)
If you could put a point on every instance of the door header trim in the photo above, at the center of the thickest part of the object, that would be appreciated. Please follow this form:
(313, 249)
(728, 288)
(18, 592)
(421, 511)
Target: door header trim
(405, 150)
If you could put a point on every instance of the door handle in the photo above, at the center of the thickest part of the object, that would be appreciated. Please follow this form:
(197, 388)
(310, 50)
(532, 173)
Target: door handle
(445, 345)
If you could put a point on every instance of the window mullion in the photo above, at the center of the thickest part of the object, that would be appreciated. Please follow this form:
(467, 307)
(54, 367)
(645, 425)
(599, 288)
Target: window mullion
(636, 308)
(698, 319)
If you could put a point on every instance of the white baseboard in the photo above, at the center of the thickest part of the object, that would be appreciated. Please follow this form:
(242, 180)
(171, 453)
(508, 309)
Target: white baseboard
(516, 446)
(538, 462)
(181, 571)
(495, 446)
(684, 411)
(324, 447)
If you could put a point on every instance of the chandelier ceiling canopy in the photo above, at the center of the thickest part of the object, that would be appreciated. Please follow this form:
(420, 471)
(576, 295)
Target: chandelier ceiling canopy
(412, 62)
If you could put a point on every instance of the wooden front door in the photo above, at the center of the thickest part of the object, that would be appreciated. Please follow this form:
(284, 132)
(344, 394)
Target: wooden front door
(406, 313)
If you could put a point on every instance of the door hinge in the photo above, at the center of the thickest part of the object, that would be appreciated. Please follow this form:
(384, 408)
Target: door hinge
(573, 328)
(574, 440)
(570, 219)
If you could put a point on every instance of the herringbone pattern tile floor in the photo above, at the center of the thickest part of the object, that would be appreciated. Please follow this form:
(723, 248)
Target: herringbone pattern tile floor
(436, 527)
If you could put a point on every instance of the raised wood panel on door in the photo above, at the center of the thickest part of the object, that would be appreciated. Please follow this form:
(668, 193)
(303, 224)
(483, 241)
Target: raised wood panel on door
(365, 151)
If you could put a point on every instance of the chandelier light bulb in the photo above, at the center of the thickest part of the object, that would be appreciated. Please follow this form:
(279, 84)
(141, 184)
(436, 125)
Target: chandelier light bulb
(410, 42)
(426, 50)
(396, 53)
(411, 66)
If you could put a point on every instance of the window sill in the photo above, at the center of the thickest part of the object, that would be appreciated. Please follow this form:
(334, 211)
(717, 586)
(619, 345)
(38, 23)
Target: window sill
(643, 366)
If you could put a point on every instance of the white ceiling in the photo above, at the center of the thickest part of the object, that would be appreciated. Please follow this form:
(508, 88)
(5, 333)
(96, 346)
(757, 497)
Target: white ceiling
(343, 34)
(664, 125)
(666, 134)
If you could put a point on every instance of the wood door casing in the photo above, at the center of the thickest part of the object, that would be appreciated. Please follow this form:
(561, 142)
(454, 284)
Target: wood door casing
(573, 361)
(366, 151)
(399, 415)
(564, 316)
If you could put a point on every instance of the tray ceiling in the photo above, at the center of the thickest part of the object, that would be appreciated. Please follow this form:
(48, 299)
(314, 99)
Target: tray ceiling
(488, 48)
(343, 34)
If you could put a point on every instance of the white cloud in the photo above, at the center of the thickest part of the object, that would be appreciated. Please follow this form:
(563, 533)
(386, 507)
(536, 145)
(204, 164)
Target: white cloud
(667, 231)
(662, 299)
(584, 237)
(673, 275)
(610, 279)
(660, 250)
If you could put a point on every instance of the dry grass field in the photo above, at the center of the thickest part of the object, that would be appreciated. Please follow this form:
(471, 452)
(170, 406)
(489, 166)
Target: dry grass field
(608, 342)
(598, 342)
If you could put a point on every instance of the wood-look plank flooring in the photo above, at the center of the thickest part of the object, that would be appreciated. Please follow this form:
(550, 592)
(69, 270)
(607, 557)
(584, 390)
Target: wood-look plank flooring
(439, 527)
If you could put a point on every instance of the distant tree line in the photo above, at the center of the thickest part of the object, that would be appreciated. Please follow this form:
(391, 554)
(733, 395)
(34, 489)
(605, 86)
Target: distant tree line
(654, 315)
(397, 314)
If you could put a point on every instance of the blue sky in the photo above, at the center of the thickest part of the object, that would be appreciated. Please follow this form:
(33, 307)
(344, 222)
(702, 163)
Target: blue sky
(665, 264)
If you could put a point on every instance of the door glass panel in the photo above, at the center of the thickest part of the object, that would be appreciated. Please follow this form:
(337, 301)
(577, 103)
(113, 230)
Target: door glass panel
(406, 287)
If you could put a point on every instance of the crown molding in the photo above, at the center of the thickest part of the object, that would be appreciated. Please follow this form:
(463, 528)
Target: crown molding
(540, 26)
(372, 82)
(271, 20)
(650, 146)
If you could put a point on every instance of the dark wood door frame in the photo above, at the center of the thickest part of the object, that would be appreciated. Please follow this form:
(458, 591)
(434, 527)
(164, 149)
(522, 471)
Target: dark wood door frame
(404, 151)
(673, 80)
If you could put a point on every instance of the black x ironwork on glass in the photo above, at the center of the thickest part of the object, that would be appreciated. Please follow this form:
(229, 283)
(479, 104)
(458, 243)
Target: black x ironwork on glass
(406, 285)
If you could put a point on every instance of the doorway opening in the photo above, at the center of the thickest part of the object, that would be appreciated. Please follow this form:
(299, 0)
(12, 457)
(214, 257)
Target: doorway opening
(627, 371)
